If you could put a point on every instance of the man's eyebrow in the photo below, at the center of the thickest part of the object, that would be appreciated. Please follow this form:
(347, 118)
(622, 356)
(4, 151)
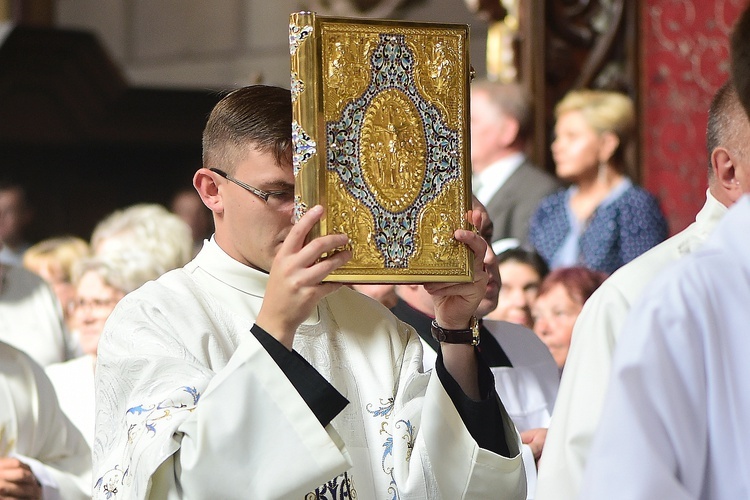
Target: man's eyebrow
(277, 186)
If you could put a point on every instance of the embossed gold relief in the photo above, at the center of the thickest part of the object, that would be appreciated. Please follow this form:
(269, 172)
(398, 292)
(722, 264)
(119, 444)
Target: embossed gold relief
(347, 69)
(393, 150)
(436, 226)
(436, 75)
(350, 217)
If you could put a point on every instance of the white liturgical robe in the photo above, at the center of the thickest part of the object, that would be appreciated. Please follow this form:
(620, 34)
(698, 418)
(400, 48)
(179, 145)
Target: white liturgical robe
(34, 429)
(674, 422)
(191, 405)
(31, 318)
(74, 384)
(589, 363)
(527, 388)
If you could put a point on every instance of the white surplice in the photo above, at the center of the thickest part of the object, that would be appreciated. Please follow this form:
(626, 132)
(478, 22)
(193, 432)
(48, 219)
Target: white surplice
(589, 363)
(674, 422)
(190, 405)
(74, 384)
(34, 429)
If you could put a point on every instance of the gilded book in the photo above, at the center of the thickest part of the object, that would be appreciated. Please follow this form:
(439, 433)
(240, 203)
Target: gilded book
(380, 133)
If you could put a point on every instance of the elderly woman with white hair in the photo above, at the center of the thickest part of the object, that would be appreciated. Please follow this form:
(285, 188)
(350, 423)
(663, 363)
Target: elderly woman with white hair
(131, 246)
(100, 283)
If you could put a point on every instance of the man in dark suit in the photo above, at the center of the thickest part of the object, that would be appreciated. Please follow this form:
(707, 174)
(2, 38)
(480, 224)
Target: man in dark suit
(505, 181)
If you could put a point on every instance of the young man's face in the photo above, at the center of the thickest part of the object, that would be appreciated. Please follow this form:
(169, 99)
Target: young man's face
(250, 230)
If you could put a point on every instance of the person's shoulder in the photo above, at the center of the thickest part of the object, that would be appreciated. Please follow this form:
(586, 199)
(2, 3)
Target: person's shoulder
(552, 203)
(168, 288)
(10, 357)
(21, 280)
(634, 275)
(173, 297)
(638, 195)
(16, 362)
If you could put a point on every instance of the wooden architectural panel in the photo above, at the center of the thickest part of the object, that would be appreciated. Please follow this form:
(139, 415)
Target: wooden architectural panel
(565, 45)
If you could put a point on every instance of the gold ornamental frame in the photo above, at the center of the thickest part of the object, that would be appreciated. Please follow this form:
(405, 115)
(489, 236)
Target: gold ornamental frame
(381, 140)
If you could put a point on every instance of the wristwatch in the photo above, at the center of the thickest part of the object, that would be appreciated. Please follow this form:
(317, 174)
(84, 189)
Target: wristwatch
(467, 336)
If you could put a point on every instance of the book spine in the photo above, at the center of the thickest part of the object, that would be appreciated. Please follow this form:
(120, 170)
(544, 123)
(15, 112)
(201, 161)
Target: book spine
(307, 142)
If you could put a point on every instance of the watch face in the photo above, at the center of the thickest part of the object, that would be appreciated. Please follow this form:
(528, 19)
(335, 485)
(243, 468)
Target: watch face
(475, 330)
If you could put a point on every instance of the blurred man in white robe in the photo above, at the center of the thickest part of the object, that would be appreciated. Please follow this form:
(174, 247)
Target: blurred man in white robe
(42, 455)
(31, 317)
(674, 422)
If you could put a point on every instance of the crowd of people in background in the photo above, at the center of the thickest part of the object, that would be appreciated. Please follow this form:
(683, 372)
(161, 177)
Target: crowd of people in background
(608, 359)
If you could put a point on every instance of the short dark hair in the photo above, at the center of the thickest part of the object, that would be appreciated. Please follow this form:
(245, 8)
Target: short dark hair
(722, 129)
(258, 116)
(524, 256)
(740, 55)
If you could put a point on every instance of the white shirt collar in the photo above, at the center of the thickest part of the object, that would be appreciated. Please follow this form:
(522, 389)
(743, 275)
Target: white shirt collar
(219, 265)
(223, 277)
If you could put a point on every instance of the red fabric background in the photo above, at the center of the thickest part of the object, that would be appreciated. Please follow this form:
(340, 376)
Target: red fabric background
(685, 58)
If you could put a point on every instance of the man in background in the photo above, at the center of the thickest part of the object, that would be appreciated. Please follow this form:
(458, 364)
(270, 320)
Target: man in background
(505, 180)
(15, 216)
(674, 419)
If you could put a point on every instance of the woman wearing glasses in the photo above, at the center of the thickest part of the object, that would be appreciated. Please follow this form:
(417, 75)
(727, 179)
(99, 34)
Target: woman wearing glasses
(132, 246)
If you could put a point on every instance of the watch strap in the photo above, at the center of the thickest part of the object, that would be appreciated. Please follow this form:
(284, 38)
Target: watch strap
(465, 336)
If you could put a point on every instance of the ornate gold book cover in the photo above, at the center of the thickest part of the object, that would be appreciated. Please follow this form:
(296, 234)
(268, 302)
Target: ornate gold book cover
(380, 133)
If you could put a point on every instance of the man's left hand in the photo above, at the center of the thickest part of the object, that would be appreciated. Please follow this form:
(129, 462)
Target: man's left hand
(456, 303)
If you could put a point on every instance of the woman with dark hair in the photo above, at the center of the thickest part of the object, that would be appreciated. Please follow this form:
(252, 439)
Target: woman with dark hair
(521, 272)
(561, 297)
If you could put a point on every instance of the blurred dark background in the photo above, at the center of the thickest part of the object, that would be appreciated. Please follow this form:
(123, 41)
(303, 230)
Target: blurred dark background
(82, 140)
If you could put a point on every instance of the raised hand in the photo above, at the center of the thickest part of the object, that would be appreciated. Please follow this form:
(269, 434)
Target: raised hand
(295, 281)
(456, 303)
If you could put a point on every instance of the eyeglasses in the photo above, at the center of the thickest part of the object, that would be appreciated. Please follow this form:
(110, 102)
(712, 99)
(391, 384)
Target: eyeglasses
(274, 199)
(94, 305)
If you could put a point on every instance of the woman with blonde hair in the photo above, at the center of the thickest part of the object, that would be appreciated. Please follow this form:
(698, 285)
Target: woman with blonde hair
(602, 220)
(53, 259)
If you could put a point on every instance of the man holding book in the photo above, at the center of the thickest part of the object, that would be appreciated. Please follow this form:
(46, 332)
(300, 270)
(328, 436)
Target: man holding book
(243, 375)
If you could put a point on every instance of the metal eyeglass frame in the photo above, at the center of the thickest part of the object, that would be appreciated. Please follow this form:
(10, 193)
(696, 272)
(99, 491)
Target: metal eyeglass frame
(263, 195)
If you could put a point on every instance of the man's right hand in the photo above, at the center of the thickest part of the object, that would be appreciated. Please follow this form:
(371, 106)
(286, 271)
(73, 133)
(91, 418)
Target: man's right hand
(295, 282)
(17, 480)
